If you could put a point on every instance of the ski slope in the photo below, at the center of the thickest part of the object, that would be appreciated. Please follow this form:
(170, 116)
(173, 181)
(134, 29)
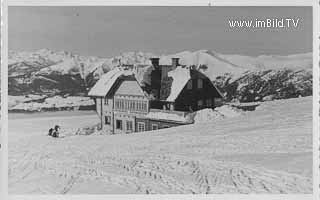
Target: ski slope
(268, 150)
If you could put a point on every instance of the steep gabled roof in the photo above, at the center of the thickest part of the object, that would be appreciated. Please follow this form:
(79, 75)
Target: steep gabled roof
(105, 83)
(170, 89)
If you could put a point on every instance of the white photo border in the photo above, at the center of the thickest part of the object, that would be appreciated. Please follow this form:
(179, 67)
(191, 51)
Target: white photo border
(4, 92)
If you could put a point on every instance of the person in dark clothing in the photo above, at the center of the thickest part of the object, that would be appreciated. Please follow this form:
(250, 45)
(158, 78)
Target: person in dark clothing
(50, 132)
(56, 131)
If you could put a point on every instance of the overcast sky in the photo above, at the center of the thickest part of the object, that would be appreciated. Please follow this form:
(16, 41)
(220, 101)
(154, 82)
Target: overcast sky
(108, 31)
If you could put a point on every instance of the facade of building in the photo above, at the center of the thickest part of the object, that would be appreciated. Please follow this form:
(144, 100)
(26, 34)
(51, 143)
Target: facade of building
(126, 105)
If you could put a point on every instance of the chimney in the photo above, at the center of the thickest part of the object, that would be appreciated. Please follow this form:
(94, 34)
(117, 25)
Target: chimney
(175, 62)
(155, 61)
(156, 76)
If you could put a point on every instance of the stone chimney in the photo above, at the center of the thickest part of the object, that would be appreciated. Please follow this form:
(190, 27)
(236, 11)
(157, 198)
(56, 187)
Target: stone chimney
(175, 62)
(155, 62)
(156, 76)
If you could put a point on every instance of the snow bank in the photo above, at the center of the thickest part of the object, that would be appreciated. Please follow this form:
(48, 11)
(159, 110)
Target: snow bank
(209, 115)
(228, 111)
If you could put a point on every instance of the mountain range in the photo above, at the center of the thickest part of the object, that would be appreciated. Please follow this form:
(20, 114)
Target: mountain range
(239, 77)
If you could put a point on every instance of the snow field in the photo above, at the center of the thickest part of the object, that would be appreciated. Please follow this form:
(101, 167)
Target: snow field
(188, 159)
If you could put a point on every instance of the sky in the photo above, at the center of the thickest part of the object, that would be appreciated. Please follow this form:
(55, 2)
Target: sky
(108, 31)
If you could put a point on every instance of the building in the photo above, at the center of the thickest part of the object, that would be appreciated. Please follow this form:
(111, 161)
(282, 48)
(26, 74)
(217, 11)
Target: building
(127, 105)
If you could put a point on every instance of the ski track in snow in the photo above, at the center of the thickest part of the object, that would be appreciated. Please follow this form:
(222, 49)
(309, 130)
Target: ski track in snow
(180, 160)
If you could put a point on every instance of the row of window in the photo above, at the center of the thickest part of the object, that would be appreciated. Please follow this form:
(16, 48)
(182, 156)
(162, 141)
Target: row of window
(131, 105)
(199, 83)
(153, 126)
(141, 126)
(129, 125)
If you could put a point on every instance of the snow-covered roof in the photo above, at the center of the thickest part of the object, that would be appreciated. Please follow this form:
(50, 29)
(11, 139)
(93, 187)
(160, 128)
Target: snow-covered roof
(180, 76)
(102, 87)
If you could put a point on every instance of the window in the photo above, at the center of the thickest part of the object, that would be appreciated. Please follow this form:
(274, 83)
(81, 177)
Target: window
(200, 103)
(139, 106)
(119, 124)
(121, 104)
(154, 126)
(189, 84)
(107, 119)
(200, 83)
(105, 101)
(129, 126)
(144, 106)
(209, 102)
(141, 126)
(131, 105)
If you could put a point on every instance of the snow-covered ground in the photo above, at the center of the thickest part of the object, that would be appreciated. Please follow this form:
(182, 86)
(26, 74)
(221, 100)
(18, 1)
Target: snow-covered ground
(264, 151)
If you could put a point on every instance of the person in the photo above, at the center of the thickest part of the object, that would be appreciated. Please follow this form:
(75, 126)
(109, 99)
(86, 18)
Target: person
(50, 131)
(56, 131)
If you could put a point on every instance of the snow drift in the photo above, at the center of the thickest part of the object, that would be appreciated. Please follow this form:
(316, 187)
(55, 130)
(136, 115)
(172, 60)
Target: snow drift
(210, 115)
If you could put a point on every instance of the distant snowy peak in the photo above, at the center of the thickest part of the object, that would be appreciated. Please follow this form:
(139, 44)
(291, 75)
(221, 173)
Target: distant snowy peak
(57, 62)
(39, 56)
(295, 61)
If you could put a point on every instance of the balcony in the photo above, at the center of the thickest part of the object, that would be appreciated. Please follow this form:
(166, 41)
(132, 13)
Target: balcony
(179, 113)
(170, 115)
